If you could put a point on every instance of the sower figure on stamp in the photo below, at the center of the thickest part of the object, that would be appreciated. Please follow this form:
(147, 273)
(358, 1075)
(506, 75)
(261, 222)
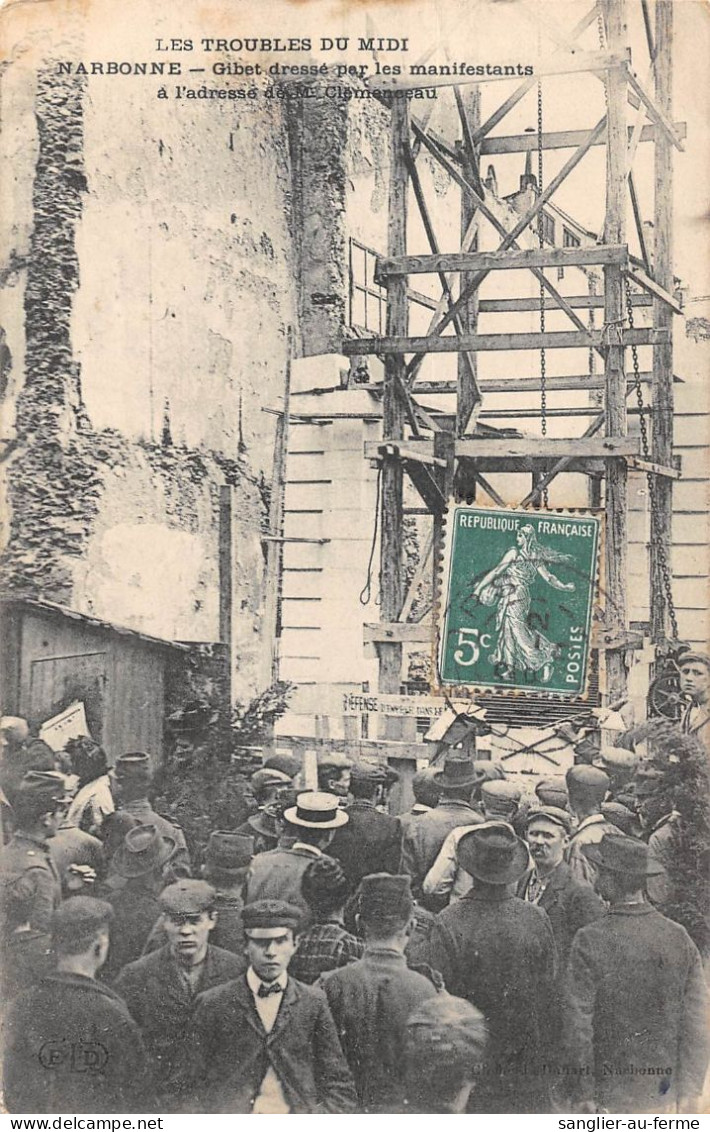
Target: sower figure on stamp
(266, 1043)
(70, 1043)
(160, 989)
(637, 1014)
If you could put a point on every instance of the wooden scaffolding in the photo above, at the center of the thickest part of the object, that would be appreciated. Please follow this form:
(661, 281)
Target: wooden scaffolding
(436, 456)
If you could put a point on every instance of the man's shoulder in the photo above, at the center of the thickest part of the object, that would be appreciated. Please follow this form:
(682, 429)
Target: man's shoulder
(225, 962)
(145, 968)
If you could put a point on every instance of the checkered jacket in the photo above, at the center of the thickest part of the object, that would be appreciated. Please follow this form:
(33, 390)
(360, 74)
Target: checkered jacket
(324, 947)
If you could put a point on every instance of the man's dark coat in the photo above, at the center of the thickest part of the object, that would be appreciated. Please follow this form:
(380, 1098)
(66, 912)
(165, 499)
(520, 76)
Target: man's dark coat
(637, 1014)
(570, 906)
(162, 1005)
(371, 842)
(232, 1051)
(72, 1046)
(499, 952)
(424, 838)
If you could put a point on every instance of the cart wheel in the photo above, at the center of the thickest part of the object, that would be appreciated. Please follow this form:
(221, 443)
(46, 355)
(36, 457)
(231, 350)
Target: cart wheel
(664, 697)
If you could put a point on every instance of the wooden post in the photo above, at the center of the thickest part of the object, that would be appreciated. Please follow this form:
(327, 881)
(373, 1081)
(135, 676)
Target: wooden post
(662, 388)
(615, 381)
(466, 393)
(390, 654)
(274, 548)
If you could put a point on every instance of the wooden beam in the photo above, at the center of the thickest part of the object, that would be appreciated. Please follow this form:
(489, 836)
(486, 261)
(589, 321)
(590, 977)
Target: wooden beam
(564, 65)
(451, 344)
(561, 139)
(577, 381)
(507, 260)
(610, 447)
(649, 31)
(638, 220)
(662, 396)
(392, 518)
(653, 110)
(560, 466)
(654, 469)
(577, 302)
(653, 288)
(397, 632)
(616, 501)
(427, 483)
(468, 400)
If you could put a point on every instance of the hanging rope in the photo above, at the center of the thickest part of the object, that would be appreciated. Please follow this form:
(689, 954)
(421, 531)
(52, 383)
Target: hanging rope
(656, 534)
(541, 241)
(366, 591)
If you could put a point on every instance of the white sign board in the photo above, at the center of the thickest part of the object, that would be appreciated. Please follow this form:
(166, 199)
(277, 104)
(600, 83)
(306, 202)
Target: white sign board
(69, 724)
(422, 707)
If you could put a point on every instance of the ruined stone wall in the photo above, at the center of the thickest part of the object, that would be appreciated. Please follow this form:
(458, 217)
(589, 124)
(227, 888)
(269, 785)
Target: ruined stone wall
(148, 285)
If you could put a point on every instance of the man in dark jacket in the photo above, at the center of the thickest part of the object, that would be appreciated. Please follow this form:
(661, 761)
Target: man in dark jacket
(372, 999)
(277, 874)
(371, 841)
(70, 1043)
(569, 904)
(498, 952)
(130, 782)
(141, 862)
(637, 1018)
(161, 988)
(426, 836)
(266, 1043)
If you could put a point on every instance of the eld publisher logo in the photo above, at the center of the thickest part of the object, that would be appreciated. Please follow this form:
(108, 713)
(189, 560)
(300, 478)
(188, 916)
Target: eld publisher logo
(77, 1057)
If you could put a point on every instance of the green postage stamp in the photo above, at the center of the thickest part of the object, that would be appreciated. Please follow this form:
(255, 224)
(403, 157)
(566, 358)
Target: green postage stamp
(516, 600)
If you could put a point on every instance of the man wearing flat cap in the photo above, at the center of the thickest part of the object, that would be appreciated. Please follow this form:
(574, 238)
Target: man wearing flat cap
(446, 1039)
(372, 999)
(265, 1043)
(424, 838)
(70, 1043)
(277, 874)
(588, 787)
(131, 779)
(161, 988)
(30, 885)
(569, 904)
(498, 952)
(695, 690)
(637, 1014)
(371, 841)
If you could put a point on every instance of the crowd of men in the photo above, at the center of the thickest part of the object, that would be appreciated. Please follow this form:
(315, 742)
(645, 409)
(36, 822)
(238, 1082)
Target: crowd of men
(491, 950)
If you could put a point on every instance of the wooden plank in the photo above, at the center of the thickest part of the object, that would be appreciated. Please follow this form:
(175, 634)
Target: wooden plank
(524, 384)
(577, 302)
(616, 501)
(638, 220)
(468, 399)
(563, 139)
(655, 289)
(451, 344)
(507, 260)
(654, 111)
(656, 469)
(566, 64)
(543, 446)
(662, 396)
(379, 450)
(397, 632)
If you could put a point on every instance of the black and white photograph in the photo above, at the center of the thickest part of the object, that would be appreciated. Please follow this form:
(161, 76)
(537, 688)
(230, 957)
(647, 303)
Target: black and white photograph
(355, 561)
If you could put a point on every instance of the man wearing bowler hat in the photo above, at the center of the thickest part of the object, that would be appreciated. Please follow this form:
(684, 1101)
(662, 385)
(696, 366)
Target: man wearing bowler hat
(277, 874)
(372, 999)
(161, 988)
(569, 904)
(141, 862)
(130, 781)
(371, 841)
(70, 1043)
(498, 952)
(266, 1043)
(637, 1015)
(426, 836)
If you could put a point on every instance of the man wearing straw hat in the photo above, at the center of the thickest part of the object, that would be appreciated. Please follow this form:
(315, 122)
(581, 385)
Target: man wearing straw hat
(637, 1017)
(277, 874)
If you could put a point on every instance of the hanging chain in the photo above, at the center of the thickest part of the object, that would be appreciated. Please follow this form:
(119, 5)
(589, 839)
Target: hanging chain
(541, 241)
(656, 538)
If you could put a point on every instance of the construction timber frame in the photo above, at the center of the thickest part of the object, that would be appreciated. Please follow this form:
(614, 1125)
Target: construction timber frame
(432, 463)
